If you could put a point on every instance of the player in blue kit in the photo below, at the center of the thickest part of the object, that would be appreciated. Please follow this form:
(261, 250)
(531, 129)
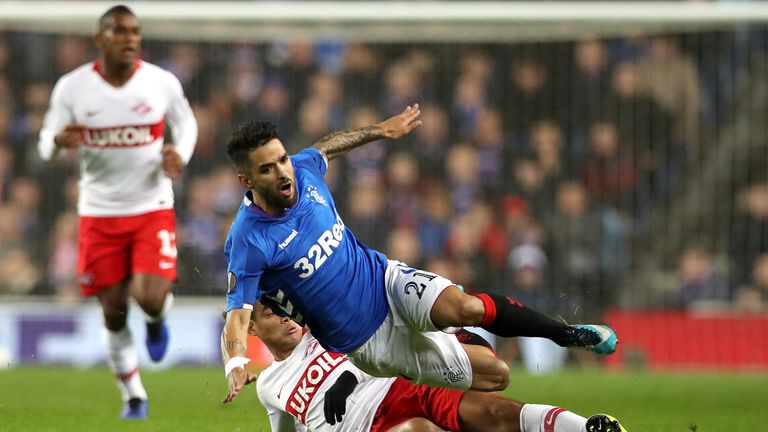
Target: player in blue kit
(289, 249)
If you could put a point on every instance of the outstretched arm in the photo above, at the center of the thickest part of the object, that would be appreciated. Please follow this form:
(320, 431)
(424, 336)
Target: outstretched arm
(337, 143)
(234, 344)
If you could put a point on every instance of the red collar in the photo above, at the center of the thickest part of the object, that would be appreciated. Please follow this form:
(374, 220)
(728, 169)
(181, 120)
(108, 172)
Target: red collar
(97, 68)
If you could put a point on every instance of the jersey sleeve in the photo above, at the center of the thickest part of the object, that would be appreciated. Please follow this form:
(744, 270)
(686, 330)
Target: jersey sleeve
(59, 115)
(245, 266)
(181, 119)
(312, 159)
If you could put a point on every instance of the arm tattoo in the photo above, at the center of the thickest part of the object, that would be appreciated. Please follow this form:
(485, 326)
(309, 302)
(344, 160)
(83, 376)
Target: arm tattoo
(237, 346)
(337, 143)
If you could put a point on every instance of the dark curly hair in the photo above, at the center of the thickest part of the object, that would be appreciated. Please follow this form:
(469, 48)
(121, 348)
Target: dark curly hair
(247, 137)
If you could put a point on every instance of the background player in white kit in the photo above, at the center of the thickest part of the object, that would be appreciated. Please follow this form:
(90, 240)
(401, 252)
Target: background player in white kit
(307, 387)
(113, 111)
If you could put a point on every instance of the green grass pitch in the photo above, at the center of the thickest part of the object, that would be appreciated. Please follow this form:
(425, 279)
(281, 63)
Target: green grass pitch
(58, 399)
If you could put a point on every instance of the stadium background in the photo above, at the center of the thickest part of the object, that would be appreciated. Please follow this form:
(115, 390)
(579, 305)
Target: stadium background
(608, 167)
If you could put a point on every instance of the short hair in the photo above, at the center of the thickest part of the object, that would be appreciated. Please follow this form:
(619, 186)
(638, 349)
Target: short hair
(105, 21)
(248, 137)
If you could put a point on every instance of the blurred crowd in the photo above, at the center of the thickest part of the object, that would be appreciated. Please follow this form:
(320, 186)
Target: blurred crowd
(536, 173)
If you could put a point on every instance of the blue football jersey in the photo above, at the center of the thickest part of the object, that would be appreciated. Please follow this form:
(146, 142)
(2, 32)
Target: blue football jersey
(306, 264)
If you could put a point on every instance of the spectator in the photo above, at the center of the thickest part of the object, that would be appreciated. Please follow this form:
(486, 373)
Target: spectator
(699, 282)
(18, 272)
(749, 234)
(754, 296)
(365, 164)
(402, 190)
(530, 97)
(573, 242)
(491, 151)
(367, 214)
(588, 84)
(528, 285)
(433, 140)
(462, 170)
(673, 82)
(403, 245)
(529, 185)
(610, 174)
(434, 220)
(62, 266)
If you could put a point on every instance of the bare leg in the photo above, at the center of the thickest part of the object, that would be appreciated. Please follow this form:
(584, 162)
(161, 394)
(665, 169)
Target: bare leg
(153, 294)
(121, 353)
(416, 425)
(489, 412)
(114, 306)
(150, 291)
(489, 373)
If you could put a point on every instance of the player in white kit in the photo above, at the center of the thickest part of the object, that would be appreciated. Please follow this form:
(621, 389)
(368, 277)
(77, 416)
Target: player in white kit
(113, 111)
(310, 388)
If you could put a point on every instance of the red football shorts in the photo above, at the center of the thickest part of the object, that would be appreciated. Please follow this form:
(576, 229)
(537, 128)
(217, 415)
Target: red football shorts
(113, 248)
(406, 400)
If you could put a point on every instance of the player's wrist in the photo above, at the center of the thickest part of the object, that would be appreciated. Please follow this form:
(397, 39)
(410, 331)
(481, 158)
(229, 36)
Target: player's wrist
(235, 363)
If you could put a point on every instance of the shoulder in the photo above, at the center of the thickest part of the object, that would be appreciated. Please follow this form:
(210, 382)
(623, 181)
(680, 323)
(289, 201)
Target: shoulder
(310, 157)
(308, 153)
(76, 76)
(163, 76)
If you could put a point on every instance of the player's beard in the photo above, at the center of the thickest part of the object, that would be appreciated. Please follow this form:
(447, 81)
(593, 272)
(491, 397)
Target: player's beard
(276, 200)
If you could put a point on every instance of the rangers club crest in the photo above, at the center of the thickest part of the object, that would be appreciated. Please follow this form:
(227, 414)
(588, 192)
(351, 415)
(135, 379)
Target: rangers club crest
(315, 196)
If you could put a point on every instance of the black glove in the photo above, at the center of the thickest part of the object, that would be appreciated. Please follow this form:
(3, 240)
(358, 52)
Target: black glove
(336, 397)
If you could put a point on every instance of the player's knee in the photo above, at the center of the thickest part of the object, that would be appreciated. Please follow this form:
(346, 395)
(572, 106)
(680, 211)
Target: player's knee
(115, 316)
(151, 299)
(152, 305)
(502, 372)
(463, 310)
(493, 375)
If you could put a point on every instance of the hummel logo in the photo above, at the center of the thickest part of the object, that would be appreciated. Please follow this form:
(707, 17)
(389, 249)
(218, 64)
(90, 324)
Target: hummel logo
(92, 113)
(288, 239)
(165, 265)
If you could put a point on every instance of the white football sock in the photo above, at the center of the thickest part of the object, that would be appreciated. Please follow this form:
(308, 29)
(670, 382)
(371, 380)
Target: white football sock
(167, 303)
(548, 418)
(124, 362)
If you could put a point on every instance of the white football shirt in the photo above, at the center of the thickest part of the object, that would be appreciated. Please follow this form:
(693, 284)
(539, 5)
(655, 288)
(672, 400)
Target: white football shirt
(293, 390)
(121, 170)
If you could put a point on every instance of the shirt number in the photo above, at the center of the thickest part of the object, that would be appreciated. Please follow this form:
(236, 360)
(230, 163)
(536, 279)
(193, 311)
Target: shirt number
(321, 250)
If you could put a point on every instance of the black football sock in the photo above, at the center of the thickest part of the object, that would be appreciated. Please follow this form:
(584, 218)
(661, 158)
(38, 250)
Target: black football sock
(509, 318)
(468, 338)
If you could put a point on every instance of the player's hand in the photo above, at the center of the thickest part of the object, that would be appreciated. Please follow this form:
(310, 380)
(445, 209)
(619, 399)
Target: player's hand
(335, 405)
(401, 124)
(72, 136)
(172, 164)
(237, 379)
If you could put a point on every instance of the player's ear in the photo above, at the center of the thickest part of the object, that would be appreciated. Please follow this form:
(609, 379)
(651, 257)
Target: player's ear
(244, 181)
(252, 328)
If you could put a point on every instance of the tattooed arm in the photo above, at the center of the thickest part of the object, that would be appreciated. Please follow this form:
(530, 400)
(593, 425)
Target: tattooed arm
(337, 143)
(234, 343)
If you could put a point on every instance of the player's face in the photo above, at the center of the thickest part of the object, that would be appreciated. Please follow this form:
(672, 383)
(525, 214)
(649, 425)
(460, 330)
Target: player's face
(275, 331)
(121, 41)
(270, 175)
